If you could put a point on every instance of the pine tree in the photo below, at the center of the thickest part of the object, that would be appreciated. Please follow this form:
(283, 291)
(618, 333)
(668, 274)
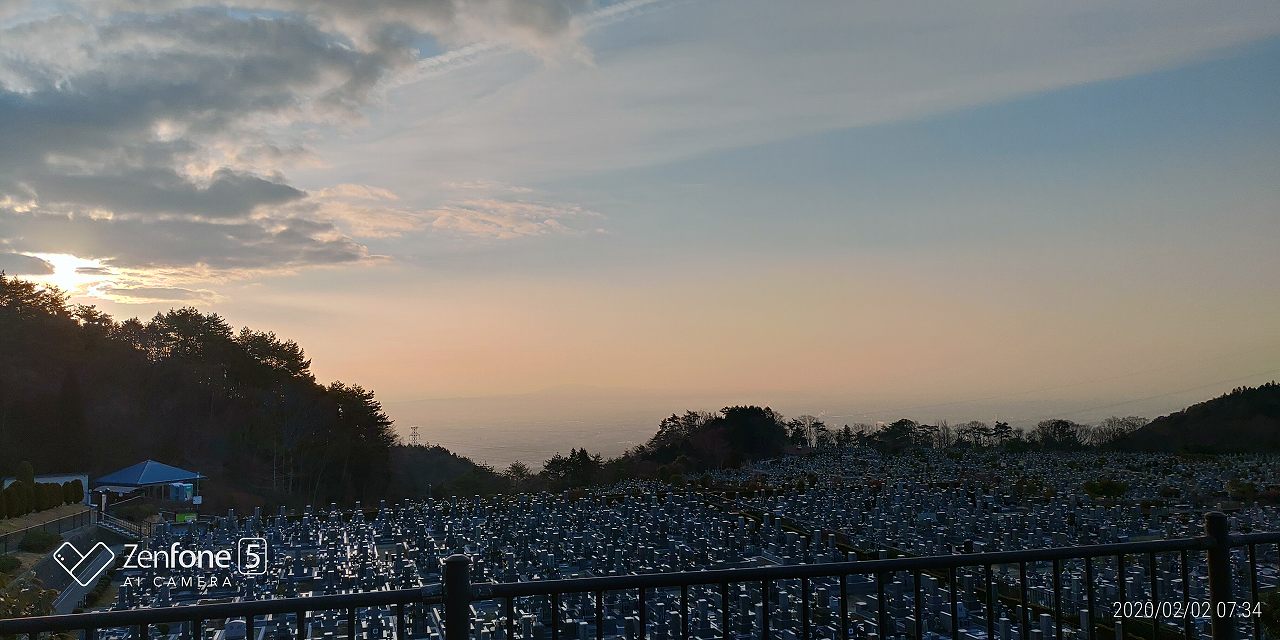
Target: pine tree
(27, 487)
(71, 422)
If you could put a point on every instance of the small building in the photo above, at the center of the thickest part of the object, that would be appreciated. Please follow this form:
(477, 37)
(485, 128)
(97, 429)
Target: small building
(150, 479)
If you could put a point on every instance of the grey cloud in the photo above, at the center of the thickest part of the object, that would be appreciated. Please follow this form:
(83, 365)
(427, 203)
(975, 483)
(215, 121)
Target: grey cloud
(86, 140)
(8, 7)
(153, 294)
(203, 73)
(163, 191)
(178, 243)
(151, 133)
(16, 264)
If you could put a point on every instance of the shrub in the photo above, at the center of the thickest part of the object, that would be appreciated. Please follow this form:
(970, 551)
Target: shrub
(39, 541)
(8, 564)
(1242, 490)
(137, 512)
(72, 492)
(48, 496)
(15, 498)
(1105, 488)
(1271, 614)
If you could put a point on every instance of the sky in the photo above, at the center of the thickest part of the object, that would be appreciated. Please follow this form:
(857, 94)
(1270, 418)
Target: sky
(531, 224)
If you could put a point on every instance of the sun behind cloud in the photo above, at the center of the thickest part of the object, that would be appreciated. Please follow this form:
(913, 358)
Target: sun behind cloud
(72, 274)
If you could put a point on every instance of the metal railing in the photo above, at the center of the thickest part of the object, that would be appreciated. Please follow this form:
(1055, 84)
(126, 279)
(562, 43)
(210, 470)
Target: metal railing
(10, 541)
(457, 593)
(140, 620)
(137, 529)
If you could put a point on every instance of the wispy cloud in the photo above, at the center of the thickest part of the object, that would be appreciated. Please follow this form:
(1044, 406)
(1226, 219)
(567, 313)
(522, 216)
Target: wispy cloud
(153, 295)
(361, 211)
(508, 219)
(491, 186)
(465, 56)
(702, 77)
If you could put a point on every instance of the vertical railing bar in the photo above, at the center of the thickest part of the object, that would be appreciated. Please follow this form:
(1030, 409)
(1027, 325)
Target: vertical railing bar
(1217, 531)
(804, 608)
(1057, 599)
(955, 606)
(401, 628)
(1022, 599)
(456, 584)
(248, 627)
(1184, 560)
(991, 600)
(764, 608)
(1253, 589)
(196, 632)
(644, 625)
(1154, 586)
(844, 605)
(1092, 632)
(724, 610)
(555, 616)
(684, 611)
(351, 624)
(302, 624)
(1121, 583)
(599, 615)
(919, 606)
(510, 611)
(882, 615)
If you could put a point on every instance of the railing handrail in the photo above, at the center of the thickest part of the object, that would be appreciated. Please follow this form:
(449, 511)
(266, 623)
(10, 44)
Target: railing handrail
(429, 594)
(1260, 537)
(464, 592)
(484, 591)
(46, 523)
(140, 529)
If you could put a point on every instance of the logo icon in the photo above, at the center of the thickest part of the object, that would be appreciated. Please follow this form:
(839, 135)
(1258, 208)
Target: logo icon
(251, 556)
(84, 568)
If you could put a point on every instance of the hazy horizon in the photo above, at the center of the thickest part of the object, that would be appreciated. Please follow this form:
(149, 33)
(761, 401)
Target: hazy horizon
(849, 209)
(534, 426)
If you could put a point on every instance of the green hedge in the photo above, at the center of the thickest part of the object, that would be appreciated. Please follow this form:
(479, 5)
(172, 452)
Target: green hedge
(39, 541)
(8, 564)
(25, 495)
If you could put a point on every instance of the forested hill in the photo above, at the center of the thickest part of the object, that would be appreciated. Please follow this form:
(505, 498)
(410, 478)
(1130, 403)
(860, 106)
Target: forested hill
(80, 391)
(1245, 420)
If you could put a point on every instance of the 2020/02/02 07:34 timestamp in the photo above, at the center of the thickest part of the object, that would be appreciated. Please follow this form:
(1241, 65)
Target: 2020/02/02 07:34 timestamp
(1179, 609)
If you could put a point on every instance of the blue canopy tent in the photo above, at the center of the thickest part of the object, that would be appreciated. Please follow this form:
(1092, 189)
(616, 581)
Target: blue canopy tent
(148, 477)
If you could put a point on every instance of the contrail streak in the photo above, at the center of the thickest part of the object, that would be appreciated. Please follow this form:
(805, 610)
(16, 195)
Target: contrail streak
(470, 54)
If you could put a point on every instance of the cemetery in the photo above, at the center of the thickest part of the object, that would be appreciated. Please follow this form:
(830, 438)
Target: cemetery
(834, 506)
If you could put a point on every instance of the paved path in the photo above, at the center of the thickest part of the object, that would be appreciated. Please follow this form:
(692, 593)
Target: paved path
(74, 593)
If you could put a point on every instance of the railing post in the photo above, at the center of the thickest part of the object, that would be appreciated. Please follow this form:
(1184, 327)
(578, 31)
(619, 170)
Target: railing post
(1215, 527)
(457, 597)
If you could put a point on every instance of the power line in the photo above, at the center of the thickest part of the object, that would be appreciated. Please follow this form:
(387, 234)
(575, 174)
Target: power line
(1069, 385)
(1160, 395)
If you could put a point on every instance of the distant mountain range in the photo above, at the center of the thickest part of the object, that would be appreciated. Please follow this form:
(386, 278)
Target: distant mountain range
(1245, 420)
